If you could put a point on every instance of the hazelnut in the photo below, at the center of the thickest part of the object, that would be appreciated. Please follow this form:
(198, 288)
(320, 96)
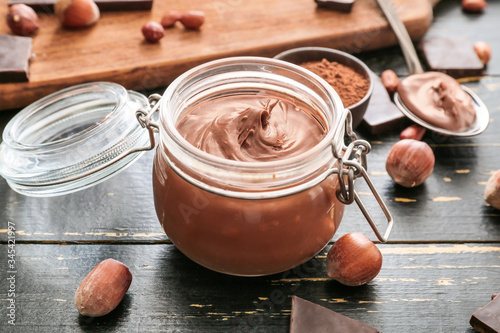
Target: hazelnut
(390, 80)
(22, 20)
(169, 18)
(492, 191)
(152, 31)
(415, 132)
(192, 19)
(103, 289)
(354, 260)
(410, 162)
(474, 6)
(76, 13)
(483, 51)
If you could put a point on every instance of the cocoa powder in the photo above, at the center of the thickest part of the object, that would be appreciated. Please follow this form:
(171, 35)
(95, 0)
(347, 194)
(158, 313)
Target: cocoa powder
(349, 84)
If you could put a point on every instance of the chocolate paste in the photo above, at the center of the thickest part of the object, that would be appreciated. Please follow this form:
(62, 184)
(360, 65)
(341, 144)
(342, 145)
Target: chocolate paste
(438, 99)
(251, 128)
(245, 237)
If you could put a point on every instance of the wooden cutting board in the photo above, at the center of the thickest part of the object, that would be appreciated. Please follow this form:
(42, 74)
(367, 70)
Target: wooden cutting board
(114, 49)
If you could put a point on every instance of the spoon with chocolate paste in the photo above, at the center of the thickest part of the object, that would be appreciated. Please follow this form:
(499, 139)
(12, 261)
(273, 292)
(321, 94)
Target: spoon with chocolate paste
(434, 100)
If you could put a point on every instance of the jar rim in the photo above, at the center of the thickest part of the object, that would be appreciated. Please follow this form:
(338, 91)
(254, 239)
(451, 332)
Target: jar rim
(250, 179)
(18, 122)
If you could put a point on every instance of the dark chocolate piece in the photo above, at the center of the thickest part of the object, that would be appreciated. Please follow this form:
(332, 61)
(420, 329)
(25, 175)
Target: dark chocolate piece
(15, 53)
(338, 5)
(47, 6)
(454, 56)
(487, 318)
(382, 115)
(308, 317)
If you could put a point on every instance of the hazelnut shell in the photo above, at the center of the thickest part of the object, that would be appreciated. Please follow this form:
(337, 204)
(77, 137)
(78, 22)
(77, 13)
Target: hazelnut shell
(103, 288)
(76, 13)
(354, 260)
(410, 162)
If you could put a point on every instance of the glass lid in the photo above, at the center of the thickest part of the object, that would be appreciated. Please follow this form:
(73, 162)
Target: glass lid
(72, 139)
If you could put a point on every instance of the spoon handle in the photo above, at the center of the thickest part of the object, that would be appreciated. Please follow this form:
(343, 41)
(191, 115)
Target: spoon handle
(404, 39)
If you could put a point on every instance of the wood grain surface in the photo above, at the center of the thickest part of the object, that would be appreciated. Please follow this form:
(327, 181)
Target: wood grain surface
(441, 264)
(422, 288)
(114, 49)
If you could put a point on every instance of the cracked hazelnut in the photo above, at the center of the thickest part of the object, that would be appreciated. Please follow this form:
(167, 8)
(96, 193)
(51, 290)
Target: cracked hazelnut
(76, 13)
(410, 162)
(483, 51)
(22, 20)
(415, 132)
(390, 80)
(192, 19)
(152, 31)
(474, 6)
(492, 191)
(354, 260)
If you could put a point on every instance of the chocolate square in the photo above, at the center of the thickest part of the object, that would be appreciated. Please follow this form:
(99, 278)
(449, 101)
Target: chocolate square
(487, 318)
(338, 5)
(454, 56)
(382, 115)
(15, 53)
(308, 317)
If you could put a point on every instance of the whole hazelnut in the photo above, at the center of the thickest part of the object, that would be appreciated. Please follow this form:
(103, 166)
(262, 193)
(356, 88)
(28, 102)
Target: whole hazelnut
(76, 13)
(152, 31)
(22, 20)
(169, 18)
(492, 191)
(354, 260)
(192, 19)
(410, 162)
(474, 6)
(415, 132)
(483, 51)
(390, 80)
(103, 288)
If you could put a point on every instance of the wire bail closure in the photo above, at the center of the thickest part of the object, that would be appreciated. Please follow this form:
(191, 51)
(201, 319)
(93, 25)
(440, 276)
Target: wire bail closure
(144, 117)
(350, 169)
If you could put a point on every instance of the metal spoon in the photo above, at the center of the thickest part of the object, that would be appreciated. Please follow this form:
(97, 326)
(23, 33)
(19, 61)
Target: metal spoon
(414, 67)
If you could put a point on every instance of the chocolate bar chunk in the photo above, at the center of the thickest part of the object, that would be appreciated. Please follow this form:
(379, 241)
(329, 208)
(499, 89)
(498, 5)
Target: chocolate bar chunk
(338, 5)
(15, 53)
(47, 6)
(382, 115)
(308, 317)
(454, 56)
(487, 318)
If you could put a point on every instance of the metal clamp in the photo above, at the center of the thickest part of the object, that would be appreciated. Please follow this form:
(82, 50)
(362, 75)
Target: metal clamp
(144, 118)
(350, 169)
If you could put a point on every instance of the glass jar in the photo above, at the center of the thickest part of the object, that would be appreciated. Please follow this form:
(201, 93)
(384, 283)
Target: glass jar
(248, 218)
(72, 139)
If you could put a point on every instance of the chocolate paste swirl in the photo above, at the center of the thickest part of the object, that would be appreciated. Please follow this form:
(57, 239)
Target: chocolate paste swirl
(251, 128)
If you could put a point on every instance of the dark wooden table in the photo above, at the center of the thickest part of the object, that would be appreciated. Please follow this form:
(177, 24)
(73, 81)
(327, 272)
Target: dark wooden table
(442, 261)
